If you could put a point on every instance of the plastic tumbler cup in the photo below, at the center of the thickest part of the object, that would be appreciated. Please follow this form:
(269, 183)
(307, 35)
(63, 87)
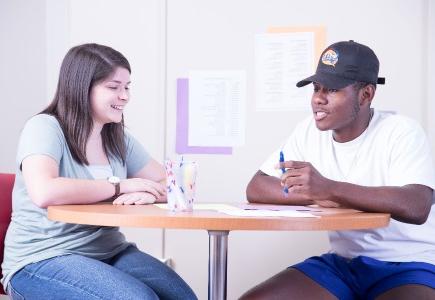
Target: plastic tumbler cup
(180, 184)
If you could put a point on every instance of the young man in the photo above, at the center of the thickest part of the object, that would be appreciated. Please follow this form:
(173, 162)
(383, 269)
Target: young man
(348, 154)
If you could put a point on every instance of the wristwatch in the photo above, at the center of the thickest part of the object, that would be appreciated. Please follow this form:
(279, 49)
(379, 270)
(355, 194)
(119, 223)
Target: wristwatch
(115, 181)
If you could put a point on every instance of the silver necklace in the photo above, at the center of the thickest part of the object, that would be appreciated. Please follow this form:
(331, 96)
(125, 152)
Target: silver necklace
(354, 159)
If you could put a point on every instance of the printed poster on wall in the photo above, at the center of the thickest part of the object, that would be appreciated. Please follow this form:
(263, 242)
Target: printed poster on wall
(217, 108)
(283, 57)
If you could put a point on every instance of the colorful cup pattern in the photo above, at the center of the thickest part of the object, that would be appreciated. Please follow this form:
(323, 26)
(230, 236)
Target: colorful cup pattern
(180, 184)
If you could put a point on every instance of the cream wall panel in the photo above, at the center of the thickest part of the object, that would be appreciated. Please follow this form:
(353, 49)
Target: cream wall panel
(220, 35)
(22, 71)
(430, 81)
(134, 28)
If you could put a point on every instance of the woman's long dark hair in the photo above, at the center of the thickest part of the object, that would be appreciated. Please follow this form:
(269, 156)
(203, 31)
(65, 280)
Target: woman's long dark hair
(83, 67)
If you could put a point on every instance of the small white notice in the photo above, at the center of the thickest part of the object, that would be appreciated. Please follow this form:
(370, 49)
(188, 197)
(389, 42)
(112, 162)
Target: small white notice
(281, 60)
(217, 108)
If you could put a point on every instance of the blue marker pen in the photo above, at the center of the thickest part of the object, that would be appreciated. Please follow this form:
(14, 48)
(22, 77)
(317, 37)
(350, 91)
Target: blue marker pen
(281, 160)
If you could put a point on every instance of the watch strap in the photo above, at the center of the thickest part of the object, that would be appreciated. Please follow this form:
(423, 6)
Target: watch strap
(117, 188)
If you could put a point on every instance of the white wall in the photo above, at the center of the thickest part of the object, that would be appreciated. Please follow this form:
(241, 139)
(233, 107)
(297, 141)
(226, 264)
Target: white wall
(220, 35)
(163, 40)
(135, 28)
(430, 75)
(22, 71)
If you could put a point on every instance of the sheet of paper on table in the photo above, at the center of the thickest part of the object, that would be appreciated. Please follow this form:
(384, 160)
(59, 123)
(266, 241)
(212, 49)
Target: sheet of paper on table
(250, 210)
(204, 206)
(268, 213)
(251, 206)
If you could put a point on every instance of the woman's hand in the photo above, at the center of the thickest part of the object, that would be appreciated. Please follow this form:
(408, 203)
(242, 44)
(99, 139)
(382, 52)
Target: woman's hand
(135, 198)
(133, 185)
(162, 199)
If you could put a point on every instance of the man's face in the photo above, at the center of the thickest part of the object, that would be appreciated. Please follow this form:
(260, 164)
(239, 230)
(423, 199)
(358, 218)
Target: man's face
(336, 110)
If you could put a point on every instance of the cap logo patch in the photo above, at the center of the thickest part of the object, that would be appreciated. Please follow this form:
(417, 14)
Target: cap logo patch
(330, 57)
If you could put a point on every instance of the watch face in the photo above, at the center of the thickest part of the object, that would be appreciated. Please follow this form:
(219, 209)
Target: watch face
(114, 179)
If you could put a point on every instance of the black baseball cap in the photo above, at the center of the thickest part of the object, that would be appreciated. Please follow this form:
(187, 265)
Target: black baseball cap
(344, 63)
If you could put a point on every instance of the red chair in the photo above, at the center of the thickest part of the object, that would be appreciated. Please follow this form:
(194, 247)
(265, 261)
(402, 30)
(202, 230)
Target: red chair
(6, 185)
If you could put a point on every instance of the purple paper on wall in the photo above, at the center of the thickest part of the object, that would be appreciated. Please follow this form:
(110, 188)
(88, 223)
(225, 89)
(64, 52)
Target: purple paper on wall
(181, 144)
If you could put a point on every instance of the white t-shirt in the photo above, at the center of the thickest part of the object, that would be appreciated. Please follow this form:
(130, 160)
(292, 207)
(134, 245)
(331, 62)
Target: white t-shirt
(393, 151)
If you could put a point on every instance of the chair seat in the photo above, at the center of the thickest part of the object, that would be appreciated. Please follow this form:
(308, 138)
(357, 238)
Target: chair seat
(6, 185)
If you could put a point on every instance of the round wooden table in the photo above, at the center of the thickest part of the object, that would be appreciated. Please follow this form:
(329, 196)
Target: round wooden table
(217, 224)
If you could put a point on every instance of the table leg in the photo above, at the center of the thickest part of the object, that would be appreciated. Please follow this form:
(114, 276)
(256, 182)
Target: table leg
(217, 264)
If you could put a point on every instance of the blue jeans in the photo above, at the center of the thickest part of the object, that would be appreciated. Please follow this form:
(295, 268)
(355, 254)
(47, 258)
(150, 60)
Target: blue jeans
(131, 274)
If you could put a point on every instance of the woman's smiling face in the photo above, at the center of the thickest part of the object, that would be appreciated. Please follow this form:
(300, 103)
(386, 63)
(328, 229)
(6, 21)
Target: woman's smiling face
(109, 97)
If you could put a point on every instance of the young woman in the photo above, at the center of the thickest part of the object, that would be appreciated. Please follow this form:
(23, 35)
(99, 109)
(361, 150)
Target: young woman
(76, 151)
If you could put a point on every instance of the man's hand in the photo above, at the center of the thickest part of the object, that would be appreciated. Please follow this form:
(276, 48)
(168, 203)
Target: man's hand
(303, 179)
(327, 203)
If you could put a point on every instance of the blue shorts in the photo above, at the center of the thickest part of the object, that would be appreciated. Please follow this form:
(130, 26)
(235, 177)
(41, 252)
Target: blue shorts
(364, 277)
